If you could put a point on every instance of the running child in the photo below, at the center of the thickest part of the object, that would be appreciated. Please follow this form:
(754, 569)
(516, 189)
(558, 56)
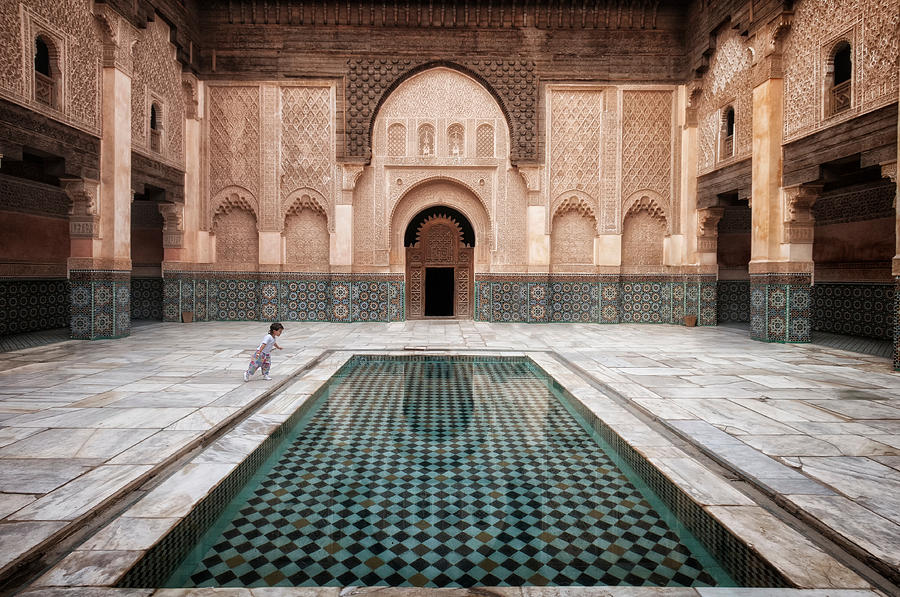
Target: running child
(261, 358)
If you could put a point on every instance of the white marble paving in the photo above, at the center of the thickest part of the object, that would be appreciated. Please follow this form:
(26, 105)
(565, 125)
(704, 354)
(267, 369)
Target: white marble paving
(786, 416)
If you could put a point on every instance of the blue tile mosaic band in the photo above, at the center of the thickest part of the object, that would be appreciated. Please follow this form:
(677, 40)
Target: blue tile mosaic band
(591, 298)
(861, 309)
(32, 305)
(252, 296)
(100, 304)
(781, 307)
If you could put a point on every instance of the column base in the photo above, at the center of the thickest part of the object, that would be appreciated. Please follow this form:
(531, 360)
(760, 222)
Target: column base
(780, 307)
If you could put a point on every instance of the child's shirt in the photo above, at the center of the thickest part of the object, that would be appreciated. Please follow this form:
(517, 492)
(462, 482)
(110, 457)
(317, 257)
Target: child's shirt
(268, 342)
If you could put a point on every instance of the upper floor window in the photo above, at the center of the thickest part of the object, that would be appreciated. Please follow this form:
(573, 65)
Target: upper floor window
(46, 72)
(484, 141)
(840, 83)
(426, 140)
(726, 135)
(396, 144)
(155, 127)
(456, 140)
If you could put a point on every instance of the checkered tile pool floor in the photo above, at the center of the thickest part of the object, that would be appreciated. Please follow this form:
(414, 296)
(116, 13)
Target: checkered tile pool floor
(444, 474)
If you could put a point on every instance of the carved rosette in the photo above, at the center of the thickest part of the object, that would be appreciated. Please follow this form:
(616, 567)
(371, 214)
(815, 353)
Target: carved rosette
(708, 228)
(173, 228)
(84, 215)
(799, 222)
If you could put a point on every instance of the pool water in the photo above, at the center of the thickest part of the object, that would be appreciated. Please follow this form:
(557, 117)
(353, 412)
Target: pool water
(445, 473)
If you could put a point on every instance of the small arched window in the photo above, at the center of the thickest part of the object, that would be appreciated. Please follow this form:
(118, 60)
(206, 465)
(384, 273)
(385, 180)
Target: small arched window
(396, 144)
(46, 72)
(155, 127)
(456, 145)
(484, 141)
(726, 134)
(840, 69)
(426, 140)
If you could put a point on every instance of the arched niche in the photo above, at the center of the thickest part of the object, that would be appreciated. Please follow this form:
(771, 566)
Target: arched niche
(441, 192)
(439, 245)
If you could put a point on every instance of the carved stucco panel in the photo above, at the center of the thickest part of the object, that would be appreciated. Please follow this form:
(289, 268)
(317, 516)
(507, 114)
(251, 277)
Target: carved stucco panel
(234, 151)
(647, 143)
(363, 219)
(157, 74)
(872, 26)
(728, 82)
(237, 239)
(73, 20)
(512, 247)
(610, 162)
(574, 143)
(480, 182)
(642, 239)
(880, 49)
(572, 238)
(307, 141)
(306, 238)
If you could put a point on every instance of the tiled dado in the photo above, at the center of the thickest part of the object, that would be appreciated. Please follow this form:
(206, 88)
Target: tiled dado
(593, 298)
(896, 310)
(231, 296)
(32, 305)
(147, 298)
(100, 303)
(733, 301)
(780, 307)
(856, 309)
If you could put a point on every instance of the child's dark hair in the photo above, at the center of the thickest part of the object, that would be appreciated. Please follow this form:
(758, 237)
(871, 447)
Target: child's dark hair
(275, 327)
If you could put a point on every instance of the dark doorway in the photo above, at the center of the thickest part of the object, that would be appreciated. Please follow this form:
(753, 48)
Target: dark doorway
(438, 292)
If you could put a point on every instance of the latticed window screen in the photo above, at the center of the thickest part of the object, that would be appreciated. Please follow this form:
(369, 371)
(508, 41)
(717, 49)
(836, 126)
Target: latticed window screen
(484, 141)
(426, 140)
(456, 144)
(396, 145)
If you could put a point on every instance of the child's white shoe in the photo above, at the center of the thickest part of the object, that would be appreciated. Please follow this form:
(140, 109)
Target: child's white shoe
(246, 376)
(266, 377)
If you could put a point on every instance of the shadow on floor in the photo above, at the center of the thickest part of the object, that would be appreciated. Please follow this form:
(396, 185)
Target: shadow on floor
(45, 337)
(873, 346)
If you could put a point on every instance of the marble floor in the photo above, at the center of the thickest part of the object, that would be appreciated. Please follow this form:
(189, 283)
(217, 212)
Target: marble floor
(787, 432)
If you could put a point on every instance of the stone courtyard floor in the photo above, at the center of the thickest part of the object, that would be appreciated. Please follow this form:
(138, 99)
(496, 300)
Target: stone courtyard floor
(754, 432)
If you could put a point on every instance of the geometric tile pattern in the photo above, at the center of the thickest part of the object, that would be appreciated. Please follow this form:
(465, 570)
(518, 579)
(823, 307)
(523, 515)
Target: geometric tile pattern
(147, 298)
(896, 338)
(589, 298)
(855, 309)
(436, 473)
(236, 296)
(781, 307)
(100, 304)
(30, 305)
(733, 301)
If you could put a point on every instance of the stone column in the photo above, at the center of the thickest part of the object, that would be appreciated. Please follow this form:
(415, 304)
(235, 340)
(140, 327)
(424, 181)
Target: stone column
(781, 241)
(341, 238)
(537, 225)
(100, 262)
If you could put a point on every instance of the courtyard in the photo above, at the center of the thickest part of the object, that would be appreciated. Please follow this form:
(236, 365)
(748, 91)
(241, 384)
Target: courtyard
(758, 434)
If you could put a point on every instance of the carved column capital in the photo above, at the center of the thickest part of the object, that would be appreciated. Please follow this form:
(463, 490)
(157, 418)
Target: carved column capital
(189, 85)
(799, 223)
(173, 226)
(708, 228)
(84, 213)
(350, 174)
(532, 177)
(888, 170)
(118, 37)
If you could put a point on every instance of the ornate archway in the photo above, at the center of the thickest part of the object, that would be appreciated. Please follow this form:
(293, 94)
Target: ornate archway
(440, 258)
